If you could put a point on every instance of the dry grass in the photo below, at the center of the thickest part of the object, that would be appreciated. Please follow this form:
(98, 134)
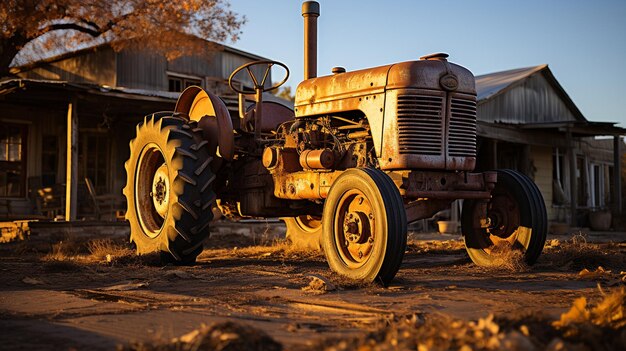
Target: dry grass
(63, 251)
(436, 246)
(577, 254)
(278, 250)
(506, 260)
(108, 251)
(69, 254)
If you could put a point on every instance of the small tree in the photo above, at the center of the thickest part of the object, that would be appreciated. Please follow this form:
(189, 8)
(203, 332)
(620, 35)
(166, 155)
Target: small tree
(285, 93)
(163, 26)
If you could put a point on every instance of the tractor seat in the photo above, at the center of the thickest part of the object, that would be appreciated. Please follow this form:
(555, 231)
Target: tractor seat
(274, 114)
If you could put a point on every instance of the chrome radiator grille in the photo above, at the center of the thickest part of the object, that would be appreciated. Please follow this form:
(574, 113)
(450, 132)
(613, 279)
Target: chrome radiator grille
(462, 128)
(420, 124)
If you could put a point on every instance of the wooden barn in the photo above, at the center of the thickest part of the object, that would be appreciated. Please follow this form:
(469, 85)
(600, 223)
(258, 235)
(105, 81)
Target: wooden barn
(83, 106)
(526, 121)
(141, 69)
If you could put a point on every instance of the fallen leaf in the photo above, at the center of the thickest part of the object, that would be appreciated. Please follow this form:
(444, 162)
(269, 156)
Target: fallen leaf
(187, 338)
(611, 311)
(600, 272)
(577, 314)
(554, 243)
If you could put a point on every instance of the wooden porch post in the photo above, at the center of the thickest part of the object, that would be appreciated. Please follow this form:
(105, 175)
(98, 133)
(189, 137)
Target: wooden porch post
(617, 173)
(572, 177)
(71, 164)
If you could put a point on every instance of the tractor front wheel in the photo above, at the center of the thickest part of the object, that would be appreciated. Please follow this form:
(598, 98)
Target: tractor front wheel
(364, 226)
(168, 190)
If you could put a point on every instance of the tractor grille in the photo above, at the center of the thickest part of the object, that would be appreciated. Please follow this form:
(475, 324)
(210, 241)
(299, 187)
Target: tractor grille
(420, 124)
(462, 128)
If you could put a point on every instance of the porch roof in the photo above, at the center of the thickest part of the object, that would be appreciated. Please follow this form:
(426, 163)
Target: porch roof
(35, 86)
(579, 128)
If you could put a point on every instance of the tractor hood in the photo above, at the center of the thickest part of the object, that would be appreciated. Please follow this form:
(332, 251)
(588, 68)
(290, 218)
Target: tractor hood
(348, 91)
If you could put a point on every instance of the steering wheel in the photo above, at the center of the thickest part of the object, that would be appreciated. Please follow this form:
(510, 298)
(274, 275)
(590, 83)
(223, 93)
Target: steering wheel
(258, 86)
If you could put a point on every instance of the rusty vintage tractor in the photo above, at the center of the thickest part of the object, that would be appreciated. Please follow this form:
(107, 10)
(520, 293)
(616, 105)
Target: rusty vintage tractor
(363, 154)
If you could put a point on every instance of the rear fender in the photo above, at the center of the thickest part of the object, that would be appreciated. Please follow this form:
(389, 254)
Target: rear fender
(212, 116)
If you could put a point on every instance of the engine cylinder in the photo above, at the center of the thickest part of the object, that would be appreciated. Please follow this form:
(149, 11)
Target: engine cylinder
(270, 157)
(317, 159)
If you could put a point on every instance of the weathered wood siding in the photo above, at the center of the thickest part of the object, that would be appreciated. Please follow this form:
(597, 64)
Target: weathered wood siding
(532, 101)
(141, 70)
(209, 66)
(541, 159)
(97, 66)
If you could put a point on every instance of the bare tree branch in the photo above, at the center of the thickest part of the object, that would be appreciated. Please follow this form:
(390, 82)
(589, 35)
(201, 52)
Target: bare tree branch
(73, 26)
(90, 23)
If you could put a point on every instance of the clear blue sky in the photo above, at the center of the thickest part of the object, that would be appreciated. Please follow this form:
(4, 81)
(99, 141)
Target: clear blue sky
(583, 42)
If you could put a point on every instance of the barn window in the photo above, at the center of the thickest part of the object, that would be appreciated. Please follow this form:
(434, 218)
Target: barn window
(178, 83)
(13, 160)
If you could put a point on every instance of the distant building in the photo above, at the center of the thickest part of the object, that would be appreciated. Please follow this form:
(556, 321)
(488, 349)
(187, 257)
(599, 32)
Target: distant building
(526, 121)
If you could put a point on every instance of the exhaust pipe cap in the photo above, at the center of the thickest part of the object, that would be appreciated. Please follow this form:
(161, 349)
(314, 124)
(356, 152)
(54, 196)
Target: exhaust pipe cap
(311, 8)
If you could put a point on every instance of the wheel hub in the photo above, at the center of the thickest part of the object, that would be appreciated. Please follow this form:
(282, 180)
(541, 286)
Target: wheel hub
(356, 228)
(503, 217)
(160, 190)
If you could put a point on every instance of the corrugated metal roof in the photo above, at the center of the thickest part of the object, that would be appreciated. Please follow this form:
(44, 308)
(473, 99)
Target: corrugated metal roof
(488, 85)
(532, 93)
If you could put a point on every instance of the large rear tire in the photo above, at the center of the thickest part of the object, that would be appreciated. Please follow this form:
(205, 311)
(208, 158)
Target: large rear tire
(304, 232)
(517, 221)
(364, 226)
(169, 188)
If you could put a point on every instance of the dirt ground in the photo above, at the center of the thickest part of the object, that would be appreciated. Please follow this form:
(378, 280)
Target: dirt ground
(258, 293)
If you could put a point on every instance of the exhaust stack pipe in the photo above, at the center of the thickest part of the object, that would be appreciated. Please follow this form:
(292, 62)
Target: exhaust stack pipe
(310, 12)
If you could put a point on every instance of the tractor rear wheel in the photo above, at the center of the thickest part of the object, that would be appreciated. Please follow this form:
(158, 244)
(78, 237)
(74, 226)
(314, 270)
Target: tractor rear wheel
(364, 226)
(304, 232)
(516, 220)
(169, 188)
